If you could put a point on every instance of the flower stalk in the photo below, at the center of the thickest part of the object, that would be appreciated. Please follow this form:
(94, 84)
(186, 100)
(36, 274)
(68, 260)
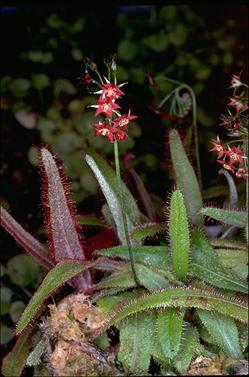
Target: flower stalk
(176, 91)
(127, 237)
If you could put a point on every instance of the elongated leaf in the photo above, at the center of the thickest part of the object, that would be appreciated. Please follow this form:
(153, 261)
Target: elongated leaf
(31, 245)
(184, 297)
(233, 194)
(231, 257)
(147, 230)
(34, 357)
(109, 185)
(179, 235)
(122, 278)
(224, 332)
(152, 277)
(61, 224)
(136, 343)
(14, 362)
(228, 244)
(60, 274)
(169, 331)
(147, 203)
(186, 179)
(155, 255)
(205, 264)
(189, 348)
(231, 217)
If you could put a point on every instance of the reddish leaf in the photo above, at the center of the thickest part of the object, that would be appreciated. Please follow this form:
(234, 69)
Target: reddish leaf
(31, 245)
(62, 227)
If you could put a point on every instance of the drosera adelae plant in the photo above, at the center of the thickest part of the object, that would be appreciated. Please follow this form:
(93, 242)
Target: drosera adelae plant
(169, 302)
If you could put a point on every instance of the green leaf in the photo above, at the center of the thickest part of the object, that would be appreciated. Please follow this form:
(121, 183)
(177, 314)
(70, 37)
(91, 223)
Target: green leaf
(122, 278)
(63, 85)
(19, 87)
(232, 257)
(185, 178)
(136, 342)
(205, 265)
(14, 362)
(179, 235)
(109, 185)
(169, 331)
(6, 333)
(16, 310)
(22, 270)
(231, 217)
(60, 274)
(147, 230)
(127, 50)
(152, 255)
(40, 81)
(189, 348)
(184, 297)
(224, 332)
(151, 277)
(5, 297)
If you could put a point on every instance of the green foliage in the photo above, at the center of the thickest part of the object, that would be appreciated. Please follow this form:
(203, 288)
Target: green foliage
(169, 331)
(5, 297)
(231, 217)
(151, 255)
(185, 178)
(23, 271)
(61, 273)
(189, 348)
(6, 333)
(182, 298)
(205, 265)
(224, 332)
(136, 337)
(14, 362)
(109, 185)
(179, 235)
(147, 230)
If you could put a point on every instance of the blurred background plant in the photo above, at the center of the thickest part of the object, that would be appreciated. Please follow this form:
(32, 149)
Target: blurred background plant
(43, 101)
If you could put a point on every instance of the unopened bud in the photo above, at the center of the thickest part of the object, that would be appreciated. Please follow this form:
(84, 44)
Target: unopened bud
(89, 63)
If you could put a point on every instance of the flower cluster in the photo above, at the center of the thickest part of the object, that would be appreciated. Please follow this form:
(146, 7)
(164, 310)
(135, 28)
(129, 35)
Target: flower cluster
(113, 125)
(235, 158)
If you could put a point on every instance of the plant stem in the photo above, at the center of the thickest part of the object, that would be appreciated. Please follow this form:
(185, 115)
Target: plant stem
(194, 116)
(117, 166)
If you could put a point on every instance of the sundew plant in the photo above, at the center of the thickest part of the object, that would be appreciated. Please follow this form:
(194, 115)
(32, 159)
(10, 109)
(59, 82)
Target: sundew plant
(166, 297)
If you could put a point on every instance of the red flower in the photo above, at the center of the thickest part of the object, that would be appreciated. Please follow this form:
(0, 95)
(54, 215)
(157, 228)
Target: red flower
(105, 106)
(218, 147)
(235, 155)
(123, 121)
(110, 91)
(235, 82)
(118, 134)
(86, 78)
(241, 173)
(102, 128)
(235, 102)
(150, 79)
(110, 132)
(227, 166)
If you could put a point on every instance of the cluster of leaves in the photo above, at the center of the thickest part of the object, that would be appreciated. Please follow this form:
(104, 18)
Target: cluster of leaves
(191, 295)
